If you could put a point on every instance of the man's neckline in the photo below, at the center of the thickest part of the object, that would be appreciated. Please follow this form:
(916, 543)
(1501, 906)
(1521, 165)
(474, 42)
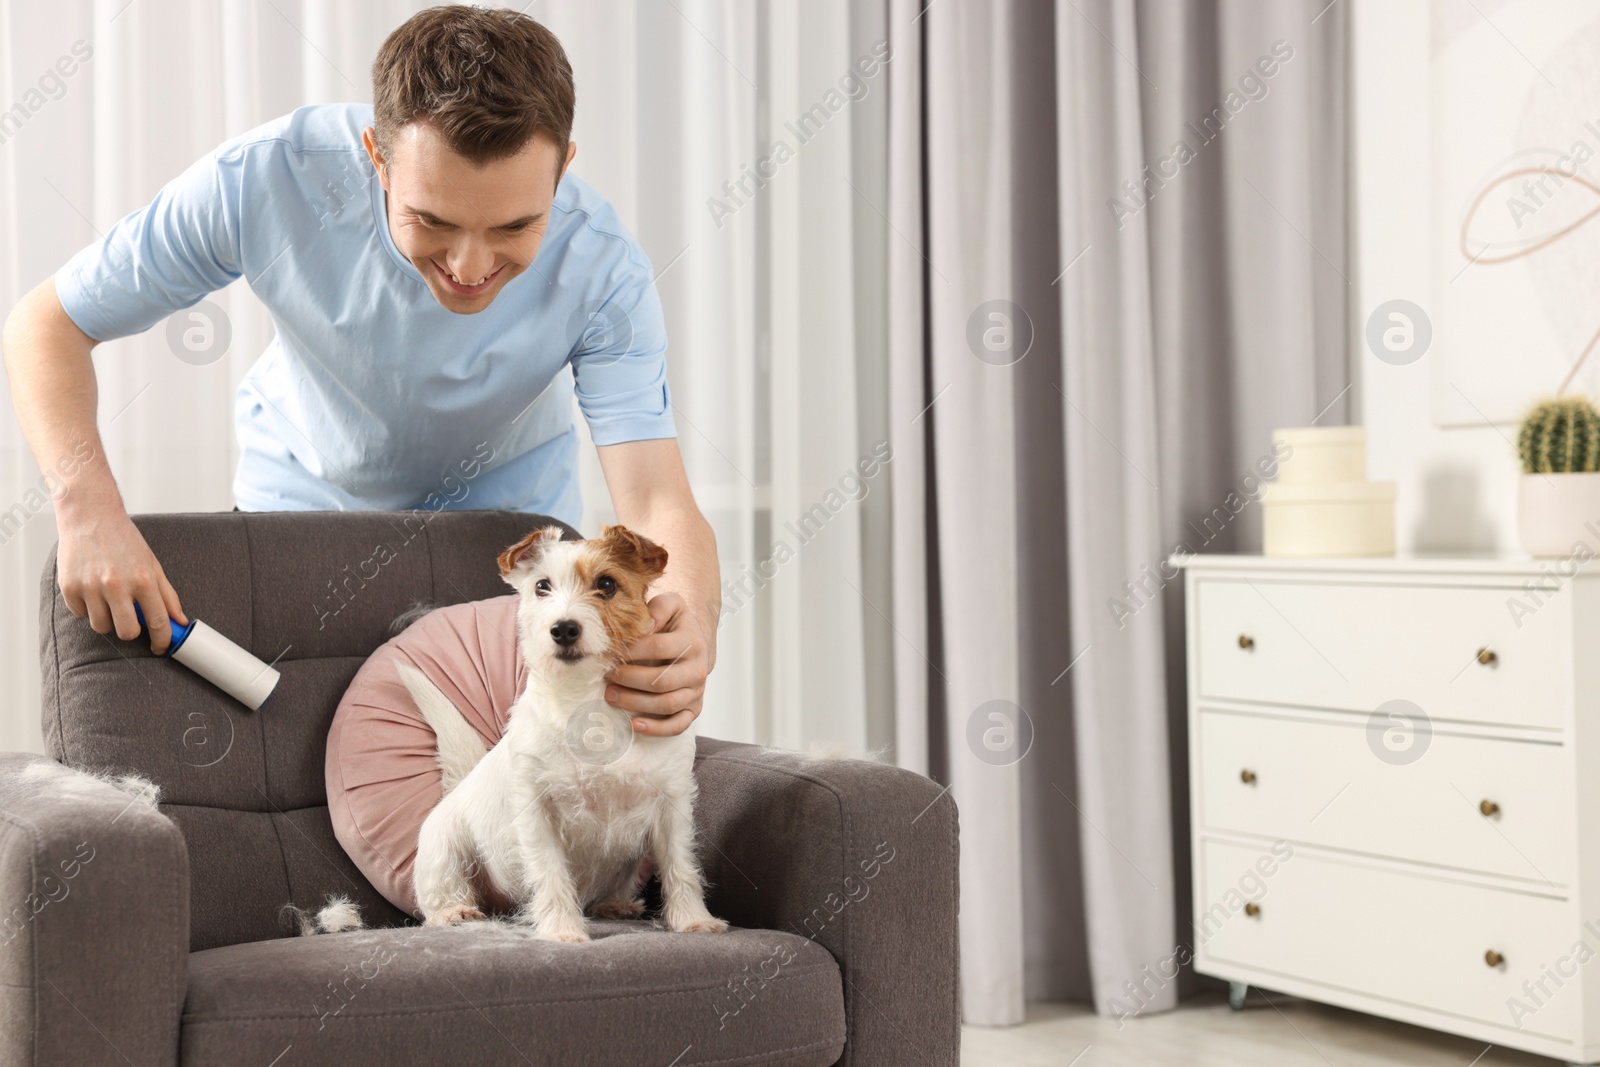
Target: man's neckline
(380, 220)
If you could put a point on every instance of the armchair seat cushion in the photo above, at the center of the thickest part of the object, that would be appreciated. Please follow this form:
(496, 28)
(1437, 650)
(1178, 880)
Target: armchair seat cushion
(492, 993)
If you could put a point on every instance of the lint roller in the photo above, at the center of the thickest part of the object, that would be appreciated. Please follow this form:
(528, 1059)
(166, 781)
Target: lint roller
(219, 661)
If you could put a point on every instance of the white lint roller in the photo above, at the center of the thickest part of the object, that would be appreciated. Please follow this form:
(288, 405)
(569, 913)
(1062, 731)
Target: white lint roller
(219, 661)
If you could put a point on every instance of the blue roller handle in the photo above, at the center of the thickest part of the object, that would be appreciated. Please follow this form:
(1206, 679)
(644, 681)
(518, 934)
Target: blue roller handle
(180, 631)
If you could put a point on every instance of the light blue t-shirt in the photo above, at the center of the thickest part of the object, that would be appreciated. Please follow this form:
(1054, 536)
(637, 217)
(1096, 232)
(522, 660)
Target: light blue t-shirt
(372, 395)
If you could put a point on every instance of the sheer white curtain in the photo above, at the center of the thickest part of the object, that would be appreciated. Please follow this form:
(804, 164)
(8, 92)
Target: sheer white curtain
(769, 264)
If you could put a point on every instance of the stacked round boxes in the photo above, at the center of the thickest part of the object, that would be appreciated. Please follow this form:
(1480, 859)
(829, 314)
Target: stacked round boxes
(1321, 503)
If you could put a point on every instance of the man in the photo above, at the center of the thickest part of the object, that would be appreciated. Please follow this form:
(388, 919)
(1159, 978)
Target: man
(439, 284)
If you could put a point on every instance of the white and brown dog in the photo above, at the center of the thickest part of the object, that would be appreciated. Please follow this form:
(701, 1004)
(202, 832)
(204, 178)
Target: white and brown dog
(558, 815)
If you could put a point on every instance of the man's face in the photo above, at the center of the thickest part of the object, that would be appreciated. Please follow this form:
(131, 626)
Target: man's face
(467, 228)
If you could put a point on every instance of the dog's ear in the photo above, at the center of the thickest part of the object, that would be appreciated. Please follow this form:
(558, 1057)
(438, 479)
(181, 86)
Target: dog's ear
(635, 551)
(527, 551)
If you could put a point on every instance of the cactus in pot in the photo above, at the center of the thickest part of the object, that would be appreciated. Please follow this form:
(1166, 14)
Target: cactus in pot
(1558, 510)
(1561, 435)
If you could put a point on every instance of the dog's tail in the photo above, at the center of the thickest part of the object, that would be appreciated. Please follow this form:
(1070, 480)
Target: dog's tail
(460, 748)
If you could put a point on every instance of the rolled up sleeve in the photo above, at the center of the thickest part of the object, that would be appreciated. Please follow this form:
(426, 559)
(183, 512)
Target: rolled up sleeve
(619, 362)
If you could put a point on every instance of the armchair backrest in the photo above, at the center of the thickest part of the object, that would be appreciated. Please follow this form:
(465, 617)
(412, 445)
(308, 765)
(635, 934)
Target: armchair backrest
(313, 593)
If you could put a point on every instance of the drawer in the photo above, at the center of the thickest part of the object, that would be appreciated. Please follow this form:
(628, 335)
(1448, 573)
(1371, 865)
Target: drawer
(1322, 783)
(1402, 937)
(1356, 646)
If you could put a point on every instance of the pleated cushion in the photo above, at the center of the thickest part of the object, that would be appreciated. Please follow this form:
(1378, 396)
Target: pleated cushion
(383, 778)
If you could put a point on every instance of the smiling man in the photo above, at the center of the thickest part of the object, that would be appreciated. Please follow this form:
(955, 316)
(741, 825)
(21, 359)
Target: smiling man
(439, 284)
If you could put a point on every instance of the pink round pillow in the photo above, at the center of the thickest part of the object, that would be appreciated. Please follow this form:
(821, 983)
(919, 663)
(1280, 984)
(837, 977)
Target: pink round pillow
(381, 772)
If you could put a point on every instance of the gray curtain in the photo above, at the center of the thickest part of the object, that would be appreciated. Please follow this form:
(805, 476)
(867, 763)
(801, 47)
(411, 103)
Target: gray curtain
(1118, 262)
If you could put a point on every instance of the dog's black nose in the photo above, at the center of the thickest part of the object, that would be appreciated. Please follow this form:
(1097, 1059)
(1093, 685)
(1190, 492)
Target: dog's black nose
(566, 633)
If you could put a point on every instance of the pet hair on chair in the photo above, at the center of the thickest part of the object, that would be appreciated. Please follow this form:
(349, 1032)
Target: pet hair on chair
(338, 915)
(135, 785)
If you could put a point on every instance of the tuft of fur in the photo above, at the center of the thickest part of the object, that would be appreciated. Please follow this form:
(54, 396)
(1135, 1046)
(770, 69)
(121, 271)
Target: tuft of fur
(137, 786)
(336, 916)
(417, 610)
(71, 779)
(833, 751)
(340, 914)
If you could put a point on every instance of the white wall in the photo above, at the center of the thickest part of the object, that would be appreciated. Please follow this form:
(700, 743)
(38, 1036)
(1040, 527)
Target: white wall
(1457, 487)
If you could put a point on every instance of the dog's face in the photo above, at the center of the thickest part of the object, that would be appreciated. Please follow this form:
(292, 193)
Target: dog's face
(583, 602)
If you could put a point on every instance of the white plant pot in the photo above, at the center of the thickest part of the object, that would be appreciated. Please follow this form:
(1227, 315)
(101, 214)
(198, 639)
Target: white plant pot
(1557, 511)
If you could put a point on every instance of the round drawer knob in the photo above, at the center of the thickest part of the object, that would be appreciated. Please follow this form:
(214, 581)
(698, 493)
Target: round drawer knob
(1252, 909)
(1487, 657)
(1246, 641)
(1493, 958)
(1488, 807)
(1248, 777)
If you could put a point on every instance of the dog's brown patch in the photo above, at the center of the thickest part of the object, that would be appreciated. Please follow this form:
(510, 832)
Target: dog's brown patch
(633, 562)
(529, 549)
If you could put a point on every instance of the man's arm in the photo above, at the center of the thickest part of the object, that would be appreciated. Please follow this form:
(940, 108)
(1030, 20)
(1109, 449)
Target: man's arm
(651, 496)
(164, 256)
(104, 563)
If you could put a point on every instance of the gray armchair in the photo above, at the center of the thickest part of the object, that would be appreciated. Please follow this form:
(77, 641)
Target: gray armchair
(133, 934)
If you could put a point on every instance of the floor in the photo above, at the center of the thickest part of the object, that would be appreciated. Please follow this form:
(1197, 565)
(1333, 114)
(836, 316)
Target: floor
(1273, 1030)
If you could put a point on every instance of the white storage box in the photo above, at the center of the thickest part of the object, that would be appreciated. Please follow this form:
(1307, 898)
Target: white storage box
(1321, 454)
(1351, 518)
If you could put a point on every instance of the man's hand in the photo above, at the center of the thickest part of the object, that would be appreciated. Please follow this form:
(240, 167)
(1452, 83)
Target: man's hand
(105, 568)
(664, 685)
(664, 681)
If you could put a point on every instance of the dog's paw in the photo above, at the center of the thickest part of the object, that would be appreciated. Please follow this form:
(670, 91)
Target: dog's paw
(567, 934)
(454, 915)
(704, 925)
(618, 909)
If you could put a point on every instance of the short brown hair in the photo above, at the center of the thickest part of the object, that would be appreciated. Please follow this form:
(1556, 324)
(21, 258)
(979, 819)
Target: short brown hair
(488, 80)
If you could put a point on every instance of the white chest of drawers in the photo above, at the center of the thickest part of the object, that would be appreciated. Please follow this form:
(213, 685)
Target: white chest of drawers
(1395, 789)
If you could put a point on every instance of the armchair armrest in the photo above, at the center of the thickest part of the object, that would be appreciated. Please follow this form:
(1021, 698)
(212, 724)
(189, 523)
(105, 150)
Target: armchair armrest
(94, 920)
(859, 857)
